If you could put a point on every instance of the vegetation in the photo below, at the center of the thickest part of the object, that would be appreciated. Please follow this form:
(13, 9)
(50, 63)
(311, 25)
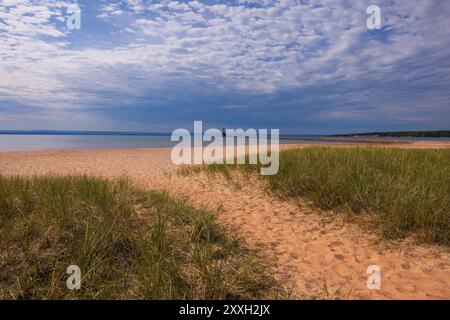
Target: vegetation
(405, 192)
(128, 244)
(420, 134)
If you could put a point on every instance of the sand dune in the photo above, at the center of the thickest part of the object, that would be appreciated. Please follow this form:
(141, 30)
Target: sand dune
(312, 254)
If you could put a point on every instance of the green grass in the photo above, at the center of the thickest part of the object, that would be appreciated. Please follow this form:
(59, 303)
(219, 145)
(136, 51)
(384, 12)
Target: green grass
(404, 192)
(129, 244)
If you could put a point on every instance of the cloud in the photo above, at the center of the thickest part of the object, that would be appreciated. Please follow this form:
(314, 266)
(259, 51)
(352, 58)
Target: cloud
(145, 56)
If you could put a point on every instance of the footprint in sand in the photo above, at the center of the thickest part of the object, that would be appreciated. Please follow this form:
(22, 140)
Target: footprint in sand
(339, 257)
(294, 255)
(405, 288)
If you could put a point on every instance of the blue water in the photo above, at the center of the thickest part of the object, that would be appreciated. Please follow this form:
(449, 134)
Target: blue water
(44, 142)
(74, 141)
(29, 142)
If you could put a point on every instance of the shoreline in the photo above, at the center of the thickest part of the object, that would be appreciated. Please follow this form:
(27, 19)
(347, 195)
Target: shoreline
(350, 140)
(422, 144)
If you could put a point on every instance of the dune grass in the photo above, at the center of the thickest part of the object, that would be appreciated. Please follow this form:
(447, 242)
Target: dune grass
(129, 244)
(405, 192)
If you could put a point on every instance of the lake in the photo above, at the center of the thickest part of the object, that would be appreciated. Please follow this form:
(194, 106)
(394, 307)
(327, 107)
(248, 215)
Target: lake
(43, 142)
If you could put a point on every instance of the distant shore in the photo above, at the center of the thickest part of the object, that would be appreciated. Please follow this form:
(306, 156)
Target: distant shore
(349, 140)
(394, 134)
(86, 141)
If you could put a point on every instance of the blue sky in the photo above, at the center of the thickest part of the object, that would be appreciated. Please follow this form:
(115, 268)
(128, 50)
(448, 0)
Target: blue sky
(302, 66)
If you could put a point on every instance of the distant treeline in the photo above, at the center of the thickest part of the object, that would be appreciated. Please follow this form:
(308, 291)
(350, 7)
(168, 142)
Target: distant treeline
(429, 134)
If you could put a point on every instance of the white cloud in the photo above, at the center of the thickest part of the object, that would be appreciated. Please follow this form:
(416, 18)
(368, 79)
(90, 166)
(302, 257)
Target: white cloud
(262, 47)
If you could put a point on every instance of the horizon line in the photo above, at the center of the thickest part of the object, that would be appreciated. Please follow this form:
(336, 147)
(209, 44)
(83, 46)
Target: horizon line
(159, 133)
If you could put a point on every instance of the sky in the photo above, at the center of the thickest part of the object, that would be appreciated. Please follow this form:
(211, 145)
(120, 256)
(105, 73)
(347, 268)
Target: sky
(301, 66)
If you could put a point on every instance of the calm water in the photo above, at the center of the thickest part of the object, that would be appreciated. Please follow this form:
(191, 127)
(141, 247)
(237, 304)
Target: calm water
(28, 142)
(31, 142)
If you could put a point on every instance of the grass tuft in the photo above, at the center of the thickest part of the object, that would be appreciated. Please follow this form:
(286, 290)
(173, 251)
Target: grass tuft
(128, 243)
(406, 192)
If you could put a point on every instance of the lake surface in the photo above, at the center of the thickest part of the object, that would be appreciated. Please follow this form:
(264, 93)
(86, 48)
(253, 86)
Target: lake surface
(29, 142)
(39, 142)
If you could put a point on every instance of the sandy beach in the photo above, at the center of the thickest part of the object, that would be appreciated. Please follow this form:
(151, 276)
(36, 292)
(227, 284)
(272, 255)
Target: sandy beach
(312, 254)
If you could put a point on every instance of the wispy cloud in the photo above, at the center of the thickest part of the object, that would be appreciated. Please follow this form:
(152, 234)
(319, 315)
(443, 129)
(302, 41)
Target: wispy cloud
(293, 64)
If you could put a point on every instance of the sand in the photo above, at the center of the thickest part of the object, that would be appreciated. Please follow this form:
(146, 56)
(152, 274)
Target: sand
(312, 254)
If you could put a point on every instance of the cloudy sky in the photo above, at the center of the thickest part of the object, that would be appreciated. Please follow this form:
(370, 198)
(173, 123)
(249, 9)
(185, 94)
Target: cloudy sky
(304, 66)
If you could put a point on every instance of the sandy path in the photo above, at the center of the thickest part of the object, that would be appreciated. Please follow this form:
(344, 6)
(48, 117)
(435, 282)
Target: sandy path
(309, 252)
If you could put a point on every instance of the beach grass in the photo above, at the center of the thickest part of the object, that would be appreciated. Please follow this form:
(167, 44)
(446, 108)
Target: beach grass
(404, 192)
(128, 244)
